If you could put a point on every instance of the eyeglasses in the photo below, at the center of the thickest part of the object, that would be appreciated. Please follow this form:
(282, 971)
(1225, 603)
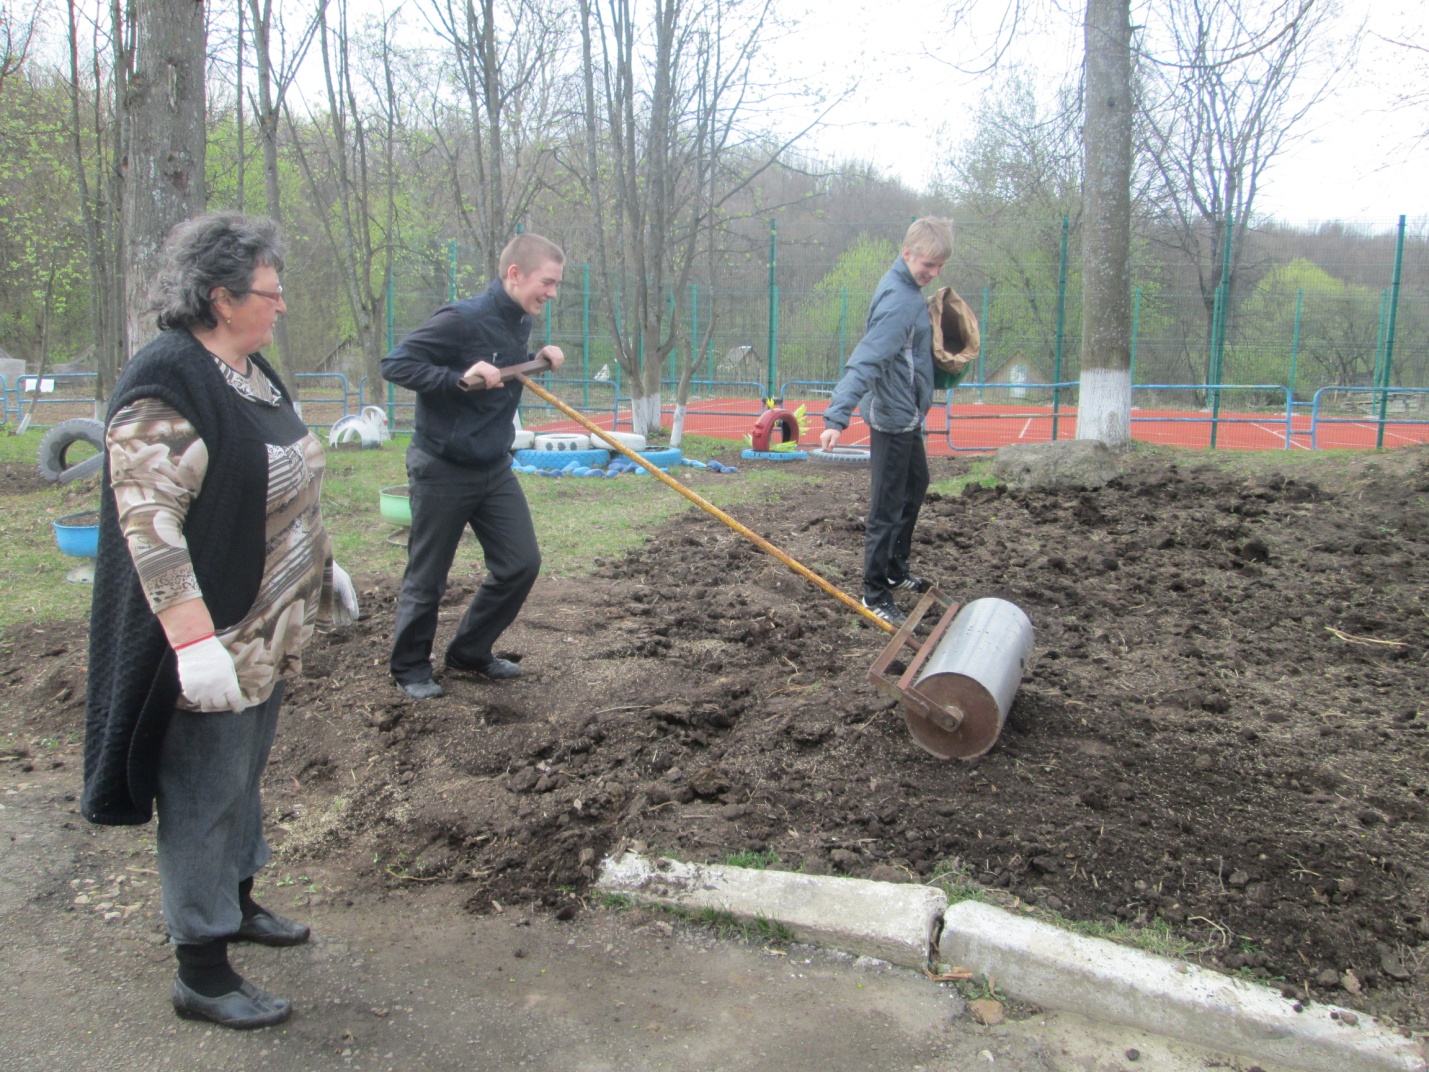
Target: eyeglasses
(271, 295)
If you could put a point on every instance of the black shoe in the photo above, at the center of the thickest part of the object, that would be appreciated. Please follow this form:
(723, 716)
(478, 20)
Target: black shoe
(242, 1008)
(884, 607)
(268, 929)
(911, 583)
(421, 690)
(496, 670)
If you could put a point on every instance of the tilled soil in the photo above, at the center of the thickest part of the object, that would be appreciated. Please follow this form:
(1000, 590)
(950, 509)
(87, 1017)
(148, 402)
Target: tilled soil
(1221, 738)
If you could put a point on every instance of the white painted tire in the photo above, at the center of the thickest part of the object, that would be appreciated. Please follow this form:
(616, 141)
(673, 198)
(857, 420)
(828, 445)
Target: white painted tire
(523, 440)
(563, 441)
(628, 440)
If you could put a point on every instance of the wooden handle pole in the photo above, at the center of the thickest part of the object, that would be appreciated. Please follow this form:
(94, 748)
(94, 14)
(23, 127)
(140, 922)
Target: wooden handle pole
(710, 508)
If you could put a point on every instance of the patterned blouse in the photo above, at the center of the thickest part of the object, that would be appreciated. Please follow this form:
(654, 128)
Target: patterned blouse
(157, 465)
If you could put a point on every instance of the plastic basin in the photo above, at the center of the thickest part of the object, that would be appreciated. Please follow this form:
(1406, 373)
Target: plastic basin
(396, 506)
(78, 534)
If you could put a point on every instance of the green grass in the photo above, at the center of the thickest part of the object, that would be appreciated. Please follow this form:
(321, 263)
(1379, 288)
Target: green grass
(981, 473)
(955, 878)
(577, 520)
(757, 861)
(32, 569)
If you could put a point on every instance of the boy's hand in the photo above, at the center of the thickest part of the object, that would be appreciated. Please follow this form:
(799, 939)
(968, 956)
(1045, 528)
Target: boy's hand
(554, 354)
(829, 438)
(484, 373)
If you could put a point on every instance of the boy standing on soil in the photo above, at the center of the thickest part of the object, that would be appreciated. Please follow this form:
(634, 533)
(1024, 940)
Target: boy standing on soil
(889, 376)
(459, 466)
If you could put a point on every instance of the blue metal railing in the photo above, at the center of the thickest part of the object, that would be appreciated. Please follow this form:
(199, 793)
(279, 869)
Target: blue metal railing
(307, 399)
(1380, 402)
(26, 385)
(1215, 419)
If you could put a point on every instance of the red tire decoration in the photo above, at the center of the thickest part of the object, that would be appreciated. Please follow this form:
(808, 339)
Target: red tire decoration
(764, 427)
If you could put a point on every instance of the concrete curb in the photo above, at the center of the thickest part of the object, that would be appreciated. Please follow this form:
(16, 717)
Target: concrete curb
(1101, 980)
(893, 922)
(1030, 961)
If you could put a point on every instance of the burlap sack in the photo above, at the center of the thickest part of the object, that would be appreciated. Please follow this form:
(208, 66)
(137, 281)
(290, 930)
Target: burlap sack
(956, 339)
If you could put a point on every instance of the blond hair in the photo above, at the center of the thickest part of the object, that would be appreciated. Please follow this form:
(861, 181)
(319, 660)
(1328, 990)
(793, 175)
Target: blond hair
(930, 237)
(528, 252)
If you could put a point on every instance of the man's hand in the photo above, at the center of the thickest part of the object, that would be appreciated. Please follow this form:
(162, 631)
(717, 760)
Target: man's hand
(554, 354)
(482, 373)
(829, 438)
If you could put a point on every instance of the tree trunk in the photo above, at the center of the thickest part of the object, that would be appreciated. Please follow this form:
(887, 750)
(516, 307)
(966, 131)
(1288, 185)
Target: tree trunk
(166, 144)
(1104, 406)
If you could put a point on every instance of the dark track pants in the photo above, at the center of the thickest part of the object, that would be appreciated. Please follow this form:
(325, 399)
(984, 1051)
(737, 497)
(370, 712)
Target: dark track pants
(445, 499)
(898, 473)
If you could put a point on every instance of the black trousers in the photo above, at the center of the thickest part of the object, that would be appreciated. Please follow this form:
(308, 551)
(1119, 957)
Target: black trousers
(898, 472)
(445, 499)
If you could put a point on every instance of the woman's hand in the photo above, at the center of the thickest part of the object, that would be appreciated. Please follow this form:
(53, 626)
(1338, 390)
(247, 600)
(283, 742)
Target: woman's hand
(344, 597)
(208, 677)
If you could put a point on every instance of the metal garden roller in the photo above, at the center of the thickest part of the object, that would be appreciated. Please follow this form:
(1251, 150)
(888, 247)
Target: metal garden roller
(955, 687)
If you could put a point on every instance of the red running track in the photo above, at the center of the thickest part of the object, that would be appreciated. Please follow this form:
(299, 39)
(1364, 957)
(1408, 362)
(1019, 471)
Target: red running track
(975, 428)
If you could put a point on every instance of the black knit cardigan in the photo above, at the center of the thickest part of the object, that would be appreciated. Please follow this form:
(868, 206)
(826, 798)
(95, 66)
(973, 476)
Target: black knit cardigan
(133, 673)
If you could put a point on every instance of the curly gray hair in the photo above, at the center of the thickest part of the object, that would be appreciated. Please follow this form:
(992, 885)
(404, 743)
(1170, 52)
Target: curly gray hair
(218, 249)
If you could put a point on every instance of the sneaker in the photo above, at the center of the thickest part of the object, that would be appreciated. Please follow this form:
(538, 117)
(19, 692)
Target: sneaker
(885, 608)
(912, 583)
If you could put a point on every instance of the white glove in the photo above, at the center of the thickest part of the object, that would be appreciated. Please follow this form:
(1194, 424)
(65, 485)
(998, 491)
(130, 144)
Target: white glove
(208, 677)
(344, 597)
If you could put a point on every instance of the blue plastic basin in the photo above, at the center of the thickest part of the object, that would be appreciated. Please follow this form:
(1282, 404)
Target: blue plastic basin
(78, 534)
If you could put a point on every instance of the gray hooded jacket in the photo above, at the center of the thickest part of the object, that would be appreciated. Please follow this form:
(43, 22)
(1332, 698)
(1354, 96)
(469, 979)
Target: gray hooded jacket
(891, 369)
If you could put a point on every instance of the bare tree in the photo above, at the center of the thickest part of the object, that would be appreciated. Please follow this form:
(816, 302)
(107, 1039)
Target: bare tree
(1104, 401)
(98, 135)
(165, 111)
(507, 59)
(17, 35)
(668, 88)
(277, 68)
(347, 194)
(1230, 89)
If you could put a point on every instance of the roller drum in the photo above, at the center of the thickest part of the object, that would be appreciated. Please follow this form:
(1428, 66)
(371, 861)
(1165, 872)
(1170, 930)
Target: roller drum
(975, 670)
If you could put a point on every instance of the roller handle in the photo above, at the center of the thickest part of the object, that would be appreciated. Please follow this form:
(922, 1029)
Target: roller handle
(513, 372)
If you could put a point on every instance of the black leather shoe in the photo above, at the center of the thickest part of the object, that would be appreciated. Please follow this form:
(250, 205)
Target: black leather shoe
(243, 1008)
(421, 690)
(268, 929)
(496, 670)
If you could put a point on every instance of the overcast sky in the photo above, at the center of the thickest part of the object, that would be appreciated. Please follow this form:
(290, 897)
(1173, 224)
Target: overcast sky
(1359, 160)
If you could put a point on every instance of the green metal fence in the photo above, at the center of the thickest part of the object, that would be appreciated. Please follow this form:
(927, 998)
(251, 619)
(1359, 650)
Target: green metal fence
(1304, 308)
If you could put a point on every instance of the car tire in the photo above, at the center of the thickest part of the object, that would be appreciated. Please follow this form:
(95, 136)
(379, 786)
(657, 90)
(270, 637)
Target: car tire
(54, 463)
(850, 457)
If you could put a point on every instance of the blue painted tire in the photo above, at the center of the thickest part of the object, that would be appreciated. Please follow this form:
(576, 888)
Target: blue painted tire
(559, 459)
(775, 455)
(662, 458)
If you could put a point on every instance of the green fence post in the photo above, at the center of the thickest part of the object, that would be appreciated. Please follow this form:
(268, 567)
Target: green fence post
(843, 330)
(1219, 316)
(1061, 323)
(391, 342)
(1295, 341)
(585, 335)
(773, 307)
(694, 329)
(1379, 338)
(451, 270)
(982, 350)
(1135, 329)
(1389, 333)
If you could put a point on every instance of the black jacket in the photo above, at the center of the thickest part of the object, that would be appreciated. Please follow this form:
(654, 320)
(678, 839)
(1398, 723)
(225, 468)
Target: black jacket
(133, 673)
(474, 428)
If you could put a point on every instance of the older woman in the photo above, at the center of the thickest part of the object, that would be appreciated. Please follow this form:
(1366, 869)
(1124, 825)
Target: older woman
(213, 569)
